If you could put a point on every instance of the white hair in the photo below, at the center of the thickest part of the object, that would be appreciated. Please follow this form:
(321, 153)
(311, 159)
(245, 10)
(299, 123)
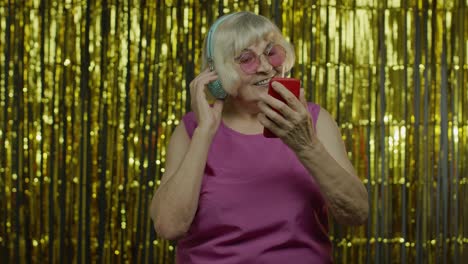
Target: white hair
(237, 32)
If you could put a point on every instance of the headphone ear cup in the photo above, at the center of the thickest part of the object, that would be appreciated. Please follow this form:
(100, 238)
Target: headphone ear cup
(216, 89)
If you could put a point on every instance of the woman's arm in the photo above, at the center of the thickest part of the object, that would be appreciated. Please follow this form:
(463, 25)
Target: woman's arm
(322, 153)
(175, 201)
(327, 160)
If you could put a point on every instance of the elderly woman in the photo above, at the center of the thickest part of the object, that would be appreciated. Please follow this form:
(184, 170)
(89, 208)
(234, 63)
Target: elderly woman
(231, 195)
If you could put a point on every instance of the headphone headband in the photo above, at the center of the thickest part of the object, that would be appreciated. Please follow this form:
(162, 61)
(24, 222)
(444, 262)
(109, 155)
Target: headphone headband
(210, 36)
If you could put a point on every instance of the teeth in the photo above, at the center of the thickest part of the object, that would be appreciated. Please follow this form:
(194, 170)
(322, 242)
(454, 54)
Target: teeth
(262, 82)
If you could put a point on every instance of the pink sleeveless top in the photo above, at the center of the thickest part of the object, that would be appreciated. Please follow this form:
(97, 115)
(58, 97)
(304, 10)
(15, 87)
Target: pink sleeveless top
(258, 204)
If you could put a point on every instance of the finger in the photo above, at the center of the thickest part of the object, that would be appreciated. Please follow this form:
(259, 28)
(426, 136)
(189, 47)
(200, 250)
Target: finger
(273, 115)
(202, 77)
(267, 123)
(287, 95)
(204, 74)
(206, 78)
(280, 106)
(201, 80)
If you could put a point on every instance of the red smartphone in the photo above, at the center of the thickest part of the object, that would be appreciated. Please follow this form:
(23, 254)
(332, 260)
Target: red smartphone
(293, 85)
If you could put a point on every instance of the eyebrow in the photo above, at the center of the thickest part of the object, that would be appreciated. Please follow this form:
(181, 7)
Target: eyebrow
(269, 45)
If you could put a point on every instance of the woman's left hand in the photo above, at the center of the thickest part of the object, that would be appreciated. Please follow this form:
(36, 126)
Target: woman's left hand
(292, 123)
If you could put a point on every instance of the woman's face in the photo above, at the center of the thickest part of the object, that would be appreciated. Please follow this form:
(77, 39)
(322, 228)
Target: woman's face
(255, 82)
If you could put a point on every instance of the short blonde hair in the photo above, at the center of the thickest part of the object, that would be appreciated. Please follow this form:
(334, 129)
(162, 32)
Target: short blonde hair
(234, 34)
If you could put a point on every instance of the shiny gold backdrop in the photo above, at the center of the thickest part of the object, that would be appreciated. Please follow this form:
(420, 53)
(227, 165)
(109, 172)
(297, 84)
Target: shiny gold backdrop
(91, 90)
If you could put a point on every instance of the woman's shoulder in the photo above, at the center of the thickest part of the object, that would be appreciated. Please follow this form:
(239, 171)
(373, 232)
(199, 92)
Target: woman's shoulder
(314, 110)
(190, 122)
(313, 107)
(189, 116)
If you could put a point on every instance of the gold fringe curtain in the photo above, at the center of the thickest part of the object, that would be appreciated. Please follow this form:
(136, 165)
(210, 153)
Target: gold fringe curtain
(90, 92)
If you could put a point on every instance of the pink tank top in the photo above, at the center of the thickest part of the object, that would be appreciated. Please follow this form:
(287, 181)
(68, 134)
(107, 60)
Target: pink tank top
(257, 204)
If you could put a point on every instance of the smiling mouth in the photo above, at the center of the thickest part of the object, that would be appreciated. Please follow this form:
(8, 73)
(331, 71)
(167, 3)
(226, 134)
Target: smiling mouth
(263, 82)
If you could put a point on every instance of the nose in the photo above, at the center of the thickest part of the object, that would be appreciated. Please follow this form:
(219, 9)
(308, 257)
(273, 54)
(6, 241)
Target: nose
(264, 64)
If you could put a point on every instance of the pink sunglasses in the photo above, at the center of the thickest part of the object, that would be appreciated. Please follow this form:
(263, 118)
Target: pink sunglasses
(249, 61)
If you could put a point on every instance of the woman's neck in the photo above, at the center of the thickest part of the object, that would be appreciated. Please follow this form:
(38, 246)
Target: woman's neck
(241, 116)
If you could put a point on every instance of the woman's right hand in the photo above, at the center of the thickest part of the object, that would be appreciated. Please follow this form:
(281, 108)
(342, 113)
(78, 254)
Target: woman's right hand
(208, 117)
